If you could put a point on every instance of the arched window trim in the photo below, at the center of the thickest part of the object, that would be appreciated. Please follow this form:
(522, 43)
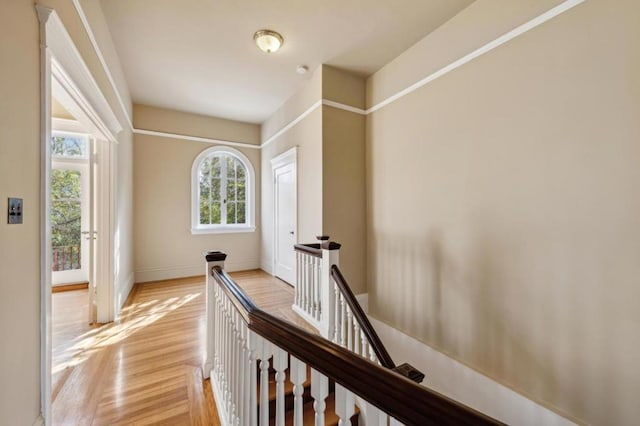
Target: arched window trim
(196, 227)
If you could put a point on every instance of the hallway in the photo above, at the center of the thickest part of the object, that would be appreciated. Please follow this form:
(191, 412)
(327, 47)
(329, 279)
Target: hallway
(143, 369)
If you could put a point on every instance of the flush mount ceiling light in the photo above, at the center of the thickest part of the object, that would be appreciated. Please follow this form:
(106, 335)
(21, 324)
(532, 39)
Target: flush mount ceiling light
(268, 41)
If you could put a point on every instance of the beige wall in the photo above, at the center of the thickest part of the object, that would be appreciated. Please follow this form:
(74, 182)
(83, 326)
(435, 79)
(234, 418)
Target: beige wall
(182, 123)
(20, 248)
(20, 177)
(331, 174)
(343, 190)
(165, 247)
(503, 212)
(307, 136)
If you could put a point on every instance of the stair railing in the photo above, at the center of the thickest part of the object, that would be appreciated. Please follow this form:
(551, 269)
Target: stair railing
(314, 301)
(323, 298)
(241, 338)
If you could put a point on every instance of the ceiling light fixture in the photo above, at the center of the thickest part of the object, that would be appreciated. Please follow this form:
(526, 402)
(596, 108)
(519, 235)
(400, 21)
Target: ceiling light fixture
(268, 41)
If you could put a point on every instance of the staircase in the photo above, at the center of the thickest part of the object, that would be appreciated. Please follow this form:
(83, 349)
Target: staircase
(266, 370)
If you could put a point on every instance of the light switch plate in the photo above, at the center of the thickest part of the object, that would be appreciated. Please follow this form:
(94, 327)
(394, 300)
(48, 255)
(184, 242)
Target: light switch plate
(15, 210)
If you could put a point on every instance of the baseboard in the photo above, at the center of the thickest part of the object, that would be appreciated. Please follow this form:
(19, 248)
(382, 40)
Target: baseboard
(124, 290)
(172, 272)
(39, 421)
(363, 300)
(463, 384)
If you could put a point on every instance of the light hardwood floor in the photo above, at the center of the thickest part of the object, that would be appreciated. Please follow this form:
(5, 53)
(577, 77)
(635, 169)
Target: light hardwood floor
(145, 368)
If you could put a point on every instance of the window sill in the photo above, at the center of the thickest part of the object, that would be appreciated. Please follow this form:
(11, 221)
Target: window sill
(223, 230)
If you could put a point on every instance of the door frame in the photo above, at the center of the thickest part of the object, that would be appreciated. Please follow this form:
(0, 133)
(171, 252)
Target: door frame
(287, 158)
(64, 72)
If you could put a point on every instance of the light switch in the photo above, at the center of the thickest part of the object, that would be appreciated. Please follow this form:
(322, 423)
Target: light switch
(15, 210)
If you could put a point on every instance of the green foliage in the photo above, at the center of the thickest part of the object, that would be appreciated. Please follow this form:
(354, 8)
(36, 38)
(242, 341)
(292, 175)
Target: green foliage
(67, 146)
(65, 208)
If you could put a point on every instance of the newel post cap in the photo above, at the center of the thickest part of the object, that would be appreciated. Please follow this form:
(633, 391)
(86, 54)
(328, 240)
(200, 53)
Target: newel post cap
(325, 244)
(215, 256)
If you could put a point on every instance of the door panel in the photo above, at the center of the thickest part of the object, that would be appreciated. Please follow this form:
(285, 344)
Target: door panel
(285, 223)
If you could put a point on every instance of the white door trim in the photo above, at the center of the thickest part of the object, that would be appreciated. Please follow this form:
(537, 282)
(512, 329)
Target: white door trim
(63, 70)
(289, 157)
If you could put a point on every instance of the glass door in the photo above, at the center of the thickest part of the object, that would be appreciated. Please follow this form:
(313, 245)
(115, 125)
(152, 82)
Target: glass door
(70, 209)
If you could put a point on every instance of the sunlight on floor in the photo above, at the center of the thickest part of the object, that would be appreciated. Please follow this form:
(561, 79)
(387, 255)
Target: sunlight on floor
(133, 319)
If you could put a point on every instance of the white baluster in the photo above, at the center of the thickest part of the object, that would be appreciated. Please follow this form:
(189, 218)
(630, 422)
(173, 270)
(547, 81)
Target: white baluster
(253, 379)
(280, 364)
(319, 289)
(307, 279)
(344, 405)
(375, 416)
(343, 321)
(264, 382)
(298, 270)
(349, 329)
(316, 287)
(319, 392)
(363, 340)
(298, 371)
(336, 324)
(356, 338)
(394, 422)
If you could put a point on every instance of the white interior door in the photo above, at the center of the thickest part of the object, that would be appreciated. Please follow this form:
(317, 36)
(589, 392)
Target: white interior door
(285, 221)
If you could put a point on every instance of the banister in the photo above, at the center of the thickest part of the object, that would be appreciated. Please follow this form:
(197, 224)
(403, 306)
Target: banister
(377, 345)
(398, 396)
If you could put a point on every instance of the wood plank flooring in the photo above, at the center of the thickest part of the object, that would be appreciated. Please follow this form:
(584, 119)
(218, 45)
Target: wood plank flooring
(146, 367)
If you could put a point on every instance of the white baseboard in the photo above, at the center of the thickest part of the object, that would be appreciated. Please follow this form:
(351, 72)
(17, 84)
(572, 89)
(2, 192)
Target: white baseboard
(123, 291)
(363, 300)
(39, 421)
(172, 272)
(463, 384)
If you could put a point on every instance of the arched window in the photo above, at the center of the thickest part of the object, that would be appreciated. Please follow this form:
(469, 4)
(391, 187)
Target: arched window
(222, 192)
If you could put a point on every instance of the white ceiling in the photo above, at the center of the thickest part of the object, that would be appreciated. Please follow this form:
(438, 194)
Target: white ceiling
(198, 55)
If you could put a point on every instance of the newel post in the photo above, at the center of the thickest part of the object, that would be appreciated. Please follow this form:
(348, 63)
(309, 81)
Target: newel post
(212, 258)
(330, 256)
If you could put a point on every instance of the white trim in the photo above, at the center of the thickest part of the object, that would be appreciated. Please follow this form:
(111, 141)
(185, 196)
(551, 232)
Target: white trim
(363, 300)
(250, 191)
(287, 157)
(539, 20)
(65, 125)
(44, 16)
(286, 128)
(182, 271)
(222, 229)
(194, 138)
(464, 384)
(105, 67)
(123, 291)
(349, 108)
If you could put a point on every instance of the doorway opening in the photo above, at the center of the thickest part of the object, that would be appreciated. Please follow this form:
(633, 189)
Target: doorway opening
(71, 172)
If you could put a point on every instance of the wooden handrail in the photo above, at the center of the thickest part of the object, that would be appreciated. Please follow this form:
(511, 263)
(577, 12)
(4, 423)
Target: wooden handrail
(398, 396)
(365, 325)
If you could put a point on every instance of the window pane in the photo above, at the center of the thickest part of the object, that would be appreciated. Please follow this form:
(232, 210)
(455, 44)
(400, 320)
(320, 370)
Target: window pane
(231, 166)
(240, 210)
(215, 189)
(241, 190)
(66, 219)
(215, 166)
(231, 213)
(240, 171)
(205, 212)
(231, 190)
(68, 146)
